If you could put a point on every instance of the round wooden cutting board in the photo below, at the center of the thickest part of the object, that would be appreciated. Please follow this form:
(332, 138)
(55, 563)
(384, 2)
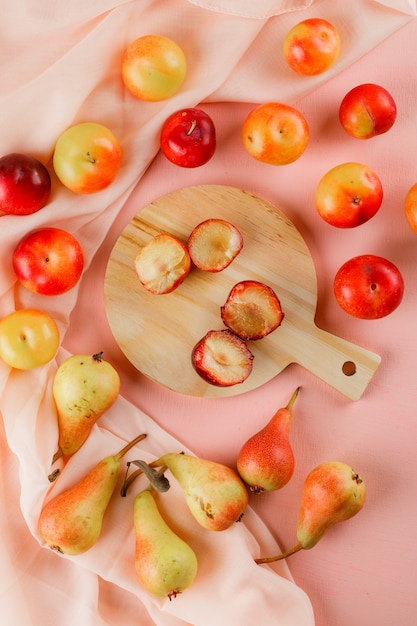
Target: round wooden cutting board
(158, 332)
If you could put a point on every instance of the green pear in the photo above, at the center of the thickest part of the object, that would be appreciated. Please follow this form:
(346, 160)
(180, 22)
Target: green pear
(266, 461)
(214, 493)
(71, 522)
(333, 492)
(165, 564)
(84, 387)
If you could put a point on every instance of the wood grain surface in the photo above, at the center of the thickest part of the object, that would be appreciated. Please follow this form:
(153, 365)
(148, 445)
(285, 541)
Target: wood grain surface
(158, 332)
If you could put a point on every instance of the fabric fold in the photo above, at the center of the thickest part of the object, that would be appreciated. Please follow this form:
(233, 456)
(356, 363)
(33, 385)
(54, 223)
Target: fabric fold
(63, 67)
(271, 8)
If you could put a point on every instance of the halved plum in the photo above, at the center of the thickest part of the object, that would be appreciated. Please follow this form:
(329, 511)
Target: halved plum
(213, 244)
(221, 358)
(252, 310)
(162, 264)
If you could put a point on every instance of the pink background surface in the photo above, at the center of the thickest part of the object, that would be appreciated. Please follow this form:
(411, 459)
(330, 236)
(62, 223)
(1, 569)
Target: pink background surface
(364, 570)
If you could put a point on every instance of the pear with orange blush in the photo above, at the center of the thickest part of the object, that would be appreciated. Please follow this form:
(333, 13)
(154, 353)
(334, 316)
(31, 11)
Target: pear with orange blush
(71, 522)
(266, 461)
(333, 492)
(165, 564)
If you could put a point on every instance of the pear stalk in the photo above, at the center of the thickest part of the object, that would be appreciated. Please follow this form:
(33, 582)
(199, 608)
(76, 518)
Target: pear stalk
(293, 399)
(58, 454)
(279, 557)
(129, 446)
(156, 479)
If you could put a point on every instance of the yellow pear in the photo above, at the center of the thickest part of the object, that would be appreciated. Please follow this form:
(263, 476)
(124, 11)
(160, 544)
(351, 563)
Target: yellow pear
(214, 493)
(71, 522)
(165, 564)
(84, 387)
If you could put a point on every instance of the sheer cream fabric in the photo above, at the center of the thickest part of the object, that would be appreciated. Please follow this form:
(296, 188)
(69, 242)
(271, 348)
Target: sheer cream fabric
(61, 65)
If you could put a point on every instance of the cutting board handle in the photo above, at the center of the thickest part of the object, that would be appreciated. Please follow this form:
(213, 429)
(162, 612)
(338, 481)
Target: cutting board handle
(343, 365)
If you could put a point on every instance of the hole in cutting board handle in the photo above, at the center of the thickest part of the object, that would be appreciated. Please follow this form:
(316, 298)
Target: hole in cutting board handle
(349, 368)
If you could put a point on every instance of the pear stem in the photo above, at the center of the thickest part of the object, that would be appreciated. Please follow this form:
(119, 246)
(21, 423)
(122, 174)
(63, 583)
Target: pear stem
(55, 473)
(279, 557)
(128, 446)
(293, 399)
(129, 480)
(157, 479)
(57, 456)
